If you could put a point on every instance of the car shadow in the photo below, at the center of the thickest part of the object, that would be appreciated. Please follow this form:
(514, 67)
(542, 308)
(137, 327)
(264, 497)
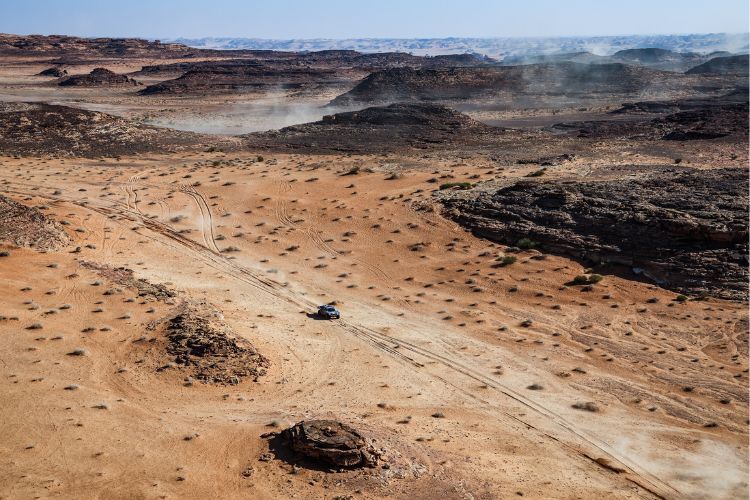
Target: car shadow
(316, 317)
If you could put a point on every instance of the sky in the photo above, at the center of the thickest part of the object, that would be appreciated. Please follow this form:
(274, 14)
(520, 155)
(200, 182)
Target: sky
(283, 19)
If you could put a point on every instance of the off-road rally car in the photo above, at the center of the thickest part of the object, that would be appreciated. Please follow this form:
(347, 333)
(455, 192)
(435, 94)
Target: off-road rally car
(328, 312)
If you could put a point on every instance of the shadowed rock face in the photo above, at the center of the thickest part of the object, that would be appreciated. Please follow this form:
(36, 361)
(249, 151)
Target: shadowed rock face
(687, 229)
(331, 442)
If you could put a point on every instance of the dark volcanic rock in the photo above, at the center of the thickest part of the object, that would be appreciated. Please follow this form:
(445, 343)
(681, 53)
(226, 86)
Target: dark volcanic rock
(659, 58)
(200, 341)
(331, 442)
(377, 129)
(561, 79)
(289, 70)
(99, 77)
(75, 47)
(230, 78)
(737, 65)
(687, 229)
(54, 71)
(28, 227)
(689, 119)
(36, 128)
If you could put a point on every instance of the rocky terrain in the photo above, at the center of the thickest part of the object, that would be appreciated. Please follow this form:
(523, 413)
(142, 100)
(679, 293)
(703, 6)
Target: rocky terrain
(33, 128)
(331, 443)
(289, 70)
(737, 65)
(686, 229)
(54, 71)
(244, 77)
(26, 226)
(206, 348)
(654, 58)
(541, 272)
(72, 47)
(680, 120)
(499, 48)
(565, 79)
(386, 128)
(98, 77)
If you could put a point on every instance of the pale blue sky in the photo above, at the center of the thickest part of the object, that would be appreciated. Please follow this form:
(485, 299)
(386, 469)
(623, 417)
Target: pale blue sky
(370, 19)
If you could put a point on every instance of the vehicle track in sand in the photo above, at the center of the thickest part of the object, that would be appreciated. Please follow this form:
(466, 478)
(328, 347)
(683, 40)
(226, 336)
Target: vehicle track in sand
(562, 431)
(206, 218)
(281, 212)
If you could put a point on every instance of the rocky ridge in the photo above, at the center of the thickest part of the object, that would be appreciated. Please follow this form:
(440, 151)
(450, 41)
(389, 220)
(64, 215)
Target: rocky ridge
(686, 229)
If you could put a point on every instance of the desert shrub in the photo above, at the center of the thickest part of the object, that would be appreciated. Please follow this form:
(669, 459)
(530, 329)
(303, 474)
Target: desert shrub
(526, 244)
(581, 279)
(508, 260)
(595, 278)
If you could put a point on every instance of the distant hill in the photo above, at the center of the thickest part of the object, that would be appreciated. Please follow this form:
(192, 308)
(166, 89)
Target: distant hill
(650, 57)
(460, 84)
(722, 66)
(494, 47)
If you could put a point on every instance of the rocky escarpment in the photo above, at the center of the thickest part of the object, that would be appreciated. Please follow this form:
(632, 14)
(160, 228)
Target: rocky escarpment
(377, 129)
(687, 229)
(37, 129)
(737, 65)
(561, 79)
(99, 77)
(26, 226)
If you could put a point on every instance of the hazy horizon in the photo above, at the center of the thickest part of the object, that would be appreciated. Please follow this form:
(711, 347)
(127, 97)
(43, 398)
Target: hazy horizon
(388, 19)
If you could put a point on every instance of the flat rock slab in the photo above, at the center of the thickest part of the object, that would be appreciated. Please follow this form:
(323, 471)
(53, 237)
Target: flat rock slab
(330, 441)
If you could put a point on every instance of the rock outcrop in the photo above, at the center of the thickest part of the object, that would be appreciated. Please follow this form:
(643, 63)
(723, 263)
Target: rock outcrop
(687, 229)
(99, 77)
(202, 343)
(26, 226)
(680, 120)
(331, 443)
(54, 71)
(737, 65)
(459, 84)
(38, 129)
(385, 128)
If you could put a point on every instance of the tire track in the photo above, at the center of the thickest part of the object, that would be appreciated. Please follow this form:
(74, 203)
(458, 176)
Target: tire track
(207, 223)
(395, 348)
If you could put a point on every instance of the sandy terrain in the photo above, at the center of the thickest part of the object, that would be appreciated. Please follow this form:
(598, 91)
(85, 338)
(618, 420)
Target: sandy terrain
(479, 381)
(425, 330)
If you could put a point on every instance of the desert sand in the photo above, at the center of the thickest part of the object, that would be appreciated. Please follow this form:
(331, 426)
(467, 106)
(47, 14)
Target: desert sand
(477, 380)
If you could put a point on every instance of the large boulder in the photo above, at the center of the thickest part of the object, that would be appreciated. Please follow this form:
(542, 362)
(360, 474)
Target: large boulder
(331, 442)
